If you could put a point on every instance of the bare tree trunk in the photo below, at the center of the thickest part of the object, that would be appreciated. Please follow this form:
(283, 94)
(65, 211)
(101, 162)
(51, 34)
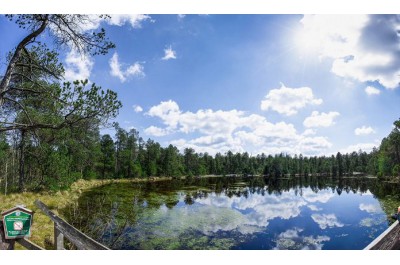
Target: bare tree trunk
(116, 164)
(22, 162)
(130, 164)
(104, 168)
(13, 165)
(5, 188)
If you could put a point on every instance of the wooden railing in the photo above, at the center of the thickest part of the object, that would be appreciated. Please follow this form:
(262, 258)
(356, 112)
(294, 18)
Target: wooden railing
(62, 230)
(389, 239)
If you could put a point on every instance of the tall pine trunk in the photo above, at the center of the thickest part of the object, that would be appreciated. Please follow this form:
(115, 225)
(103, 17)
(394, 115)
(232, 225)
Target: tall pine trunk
(22, 162)
(5, 188)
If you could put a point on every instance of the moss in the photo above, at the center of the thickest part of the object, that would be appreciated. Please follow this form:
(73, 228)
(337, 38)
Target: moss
(389, 205)
(369, 222)
(149, 217)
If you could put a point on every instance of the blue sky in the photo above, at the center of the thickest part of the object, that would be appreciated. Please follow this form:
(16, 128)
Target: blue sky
(257, 83)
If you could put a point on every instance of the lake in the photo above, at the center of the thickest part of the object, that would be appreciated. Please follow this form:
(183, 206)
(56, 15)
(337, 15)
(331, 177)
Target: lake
(237, 213)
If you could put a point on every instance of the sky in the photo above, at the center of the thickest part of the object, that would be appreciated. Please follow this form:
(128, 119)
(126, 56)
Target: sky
(310, 84)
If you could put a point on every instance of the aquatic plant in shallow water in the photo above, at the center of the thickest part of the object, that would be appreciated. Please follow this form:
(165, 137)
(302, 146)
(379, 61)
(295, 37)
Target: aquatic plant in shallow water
(227, 214)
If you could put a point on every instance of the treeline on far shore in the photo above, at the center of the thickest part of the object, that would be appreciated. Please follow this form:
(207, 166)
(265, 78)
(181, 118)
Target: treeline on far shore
(82, 153)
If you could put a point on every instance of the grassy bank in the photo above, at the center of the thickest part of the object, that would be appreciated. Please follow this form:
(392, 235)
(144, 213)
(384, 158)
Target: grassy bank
(43, 227)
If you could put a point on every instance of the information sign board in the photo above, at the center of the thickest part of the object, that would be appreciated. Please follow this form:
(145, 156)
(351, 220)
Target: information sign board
(17, 222)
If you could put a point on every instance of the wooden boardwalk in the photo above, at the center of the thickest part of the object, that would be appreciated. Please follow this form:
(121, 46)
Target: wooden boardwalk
(388, 240)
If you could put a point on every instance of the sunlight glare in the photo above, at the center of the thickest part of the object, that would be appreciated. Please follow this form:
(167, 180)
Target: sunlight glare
(329, 35)
(309, 39)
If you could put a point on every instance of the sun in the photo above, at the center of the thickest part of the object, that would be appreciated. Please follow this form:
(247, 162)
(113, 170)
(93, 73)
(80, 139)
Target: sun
(334, 36)
(309, 39)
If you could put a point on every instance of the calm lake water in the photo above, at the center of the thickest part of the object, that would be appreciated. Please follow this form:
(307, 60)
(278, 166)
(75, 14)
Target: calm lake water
(237, 213)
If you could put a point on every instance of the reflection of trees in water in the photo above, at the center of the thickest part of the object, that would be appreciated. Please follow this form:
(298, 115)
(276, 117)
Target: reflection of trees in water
(188, 199)
(102, 216)
(388, 195)
(108, 213)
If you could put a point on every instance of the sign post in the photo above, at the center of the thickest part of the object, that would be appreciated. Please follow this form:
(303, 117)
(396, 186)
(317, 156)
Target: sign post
(17, 222)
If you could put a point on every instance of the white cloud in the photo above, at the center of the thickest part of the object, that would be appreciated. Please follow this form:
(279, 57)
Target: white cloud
(169, 54)
(135, 20)
(78, 67)
(326, 220)
(329, 35)
(366, 147)
(137, 108)
(364, 130)
(370, 90)
(168, 111)
(155, 131)
(135, 69)
(92, 23)
(312, 144)
(321, 119)
(200, 145)
(221, 131)
(288, 101)
(116, 68)
(370, 208)
(362, 47)
(309, 132)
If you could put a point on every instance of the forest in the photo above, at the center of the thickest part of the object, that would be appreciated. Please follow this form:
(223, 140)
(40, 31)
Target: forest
(83, 153)
(50, 129)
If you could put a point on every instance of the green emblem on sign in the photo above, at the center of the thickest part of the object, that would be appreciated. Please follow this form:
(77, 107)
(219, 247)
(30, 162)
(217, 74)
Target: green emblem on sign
(17, 222)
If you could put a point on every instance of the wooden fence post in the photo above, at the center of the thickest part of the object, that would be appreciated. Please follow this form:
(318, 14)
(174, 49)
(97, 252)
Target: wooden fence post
(5, 244)
(58, 238)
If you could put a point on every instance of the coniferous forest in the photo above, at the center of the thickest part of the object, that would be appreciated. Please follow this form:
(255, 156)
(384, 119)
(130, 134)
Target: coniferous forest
(74, 153)
(50, 129)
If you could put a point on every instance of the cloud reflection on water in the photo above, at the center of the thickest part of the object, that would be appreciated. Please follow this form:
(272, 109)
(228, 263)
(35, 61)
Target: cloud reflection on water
(291, 239)
(326, 220)
(258, 209)
(370, 208)
(314, 208)
(216, 213)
